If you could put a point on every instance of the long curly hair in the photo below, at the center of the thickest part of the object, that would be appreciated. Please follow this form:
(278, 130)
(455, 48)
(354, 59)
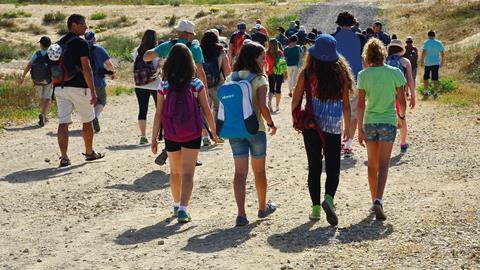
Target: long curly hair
(374, 52)
(328, 79)
(179, 67)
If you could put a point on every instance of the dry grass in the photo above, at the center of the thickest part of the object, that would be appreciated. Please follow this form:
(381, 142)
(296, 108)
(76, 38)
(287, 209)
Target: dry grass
(454, 22)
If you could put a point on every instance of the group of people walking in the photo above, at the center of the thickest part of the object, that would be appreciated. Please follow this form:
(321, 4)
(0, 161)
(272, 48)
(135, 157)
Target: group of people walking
(214, 90)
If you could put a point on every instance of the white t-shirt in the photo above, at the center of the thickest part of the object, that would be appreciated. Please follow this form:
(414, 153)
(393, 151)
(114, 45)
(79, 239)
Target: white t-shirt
(153, 85)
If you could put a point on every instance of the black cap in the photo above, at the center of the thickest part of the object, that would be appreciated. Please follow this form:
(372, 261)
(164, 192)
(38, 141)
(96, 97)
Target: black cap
(45, 41)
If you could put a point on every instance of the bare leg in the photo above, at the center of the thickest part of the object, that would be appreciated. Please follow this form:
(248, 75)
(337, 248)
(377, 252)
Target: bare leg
(87, 133)
(175, 159)
(62, 137)
(258, 166)
(403, 133)
(278, 97)
(142, 124)
(353, 128)
(385, 151)
(239, 183)
(435, 87)
(188, 161)
(45, 105)
(373, 159)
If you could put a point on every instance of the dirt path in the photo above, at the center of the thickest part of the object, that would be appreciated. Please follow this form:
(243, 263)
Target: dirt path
(115, 213)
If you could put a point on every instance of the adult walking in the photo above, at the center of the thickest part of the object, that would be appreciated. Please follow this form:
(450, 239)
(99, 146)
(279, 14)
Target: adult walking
(433, 57)
(379, 85)
(411, 53)
(99, 59)
(326, 82)
(350, 44)
(147, 79)
(41, 77)
(380, 34)
(236, 42)
(78, 92)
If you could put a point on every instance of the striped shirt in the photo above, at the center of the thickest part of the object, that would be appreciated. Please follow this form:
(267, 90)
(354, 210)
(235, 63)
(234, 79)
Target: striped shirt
(328, 115)
(195, 86)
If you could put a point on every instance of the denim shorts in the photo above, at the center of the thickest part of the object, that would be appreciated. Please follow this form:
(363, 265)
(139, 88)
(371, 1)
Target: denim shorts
(256, 146)
(380, 132)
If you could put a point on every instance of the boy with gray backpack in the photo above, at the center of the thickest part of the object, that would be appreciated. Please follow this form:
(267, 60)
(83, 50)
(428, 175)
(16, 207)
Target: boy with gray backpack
(41, 77)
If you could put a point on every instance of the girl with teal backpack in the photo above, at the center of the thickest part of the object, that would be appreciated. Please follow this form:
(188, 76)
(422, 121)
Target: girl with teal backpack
(276, 71)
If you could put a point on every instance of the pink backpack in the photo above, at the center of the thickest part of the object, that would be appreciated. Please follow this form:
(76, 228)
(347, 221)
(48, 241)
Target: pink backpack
(181, 117)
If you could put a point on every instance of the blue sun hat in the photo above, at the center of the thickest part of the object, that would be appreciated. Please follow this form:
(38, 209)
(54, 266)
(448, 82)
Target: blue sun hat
(325, 48)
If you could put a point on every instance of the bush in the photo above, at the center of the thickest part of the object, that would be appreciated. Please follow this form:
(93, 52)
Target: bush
(447, 85)
(119, 46)
(120, 89)
(9, 52)
(201, 13)
(98, 16)
(63, 30)
(172, 21)
(175, 3)
(9, 25)
(274, 22)
(120, 22)
(54, 18)
(214, 10)
(35, 29)
(15, 14)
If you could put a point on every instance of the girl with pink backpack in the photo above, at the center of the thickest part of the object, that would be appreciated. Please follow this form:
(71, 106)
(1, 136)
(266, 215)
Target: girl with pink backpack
(179, 100)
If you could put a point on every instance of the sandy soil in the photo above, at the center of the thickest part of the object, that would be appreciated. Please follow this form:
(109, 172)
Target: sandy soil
(116, 213)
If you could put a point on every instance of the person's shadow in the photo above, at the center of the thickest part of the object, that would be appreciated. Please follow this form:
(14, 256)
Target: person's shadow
(220, 239)
(71, 133)
(126, 147)
(30, 175)
(27, 128)
(302, 237)
(163, 229)
(151, 181)
(394, 161)
(346, 164)
(367, 229)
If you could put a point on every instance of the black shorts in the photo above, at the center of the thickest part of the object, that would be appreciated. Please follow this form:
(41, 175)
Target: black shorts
(433, 70)
(172, 146)
(275, 83)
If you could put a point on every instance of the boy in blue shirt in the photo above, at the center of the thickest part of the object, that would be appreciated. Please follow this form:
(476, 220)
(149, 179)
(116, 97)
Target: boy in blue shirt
(433, 57)
(292, 54)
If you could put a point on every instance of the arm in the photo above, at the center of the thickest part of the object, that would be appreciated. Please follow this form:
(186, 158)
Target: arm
(110, 67)
(230, 54)
(150, 55)
(25, 71)
(410, 82)
(157, 122)
(402, 104)
(360, 112)
(298, 91)
(227, 70)
(203, 100)
(262, 104)
(88, 76)
(442, 55)
(202, 76)
(347, 111)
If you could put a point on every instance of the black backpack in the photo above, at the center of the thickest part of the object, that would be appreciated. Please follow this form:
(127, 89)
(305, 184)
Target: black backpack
(212, 71)
(65, 68)
(40, 71)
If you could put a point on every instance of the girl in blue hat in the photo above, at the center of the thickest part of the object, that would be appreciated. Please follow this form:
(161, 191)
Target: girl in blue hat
(327, 81)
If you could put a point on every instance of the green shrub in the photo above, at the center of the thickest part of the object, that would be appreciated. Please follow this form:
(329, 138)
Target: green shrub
(35, 29)
(214, 10)
(15, 14)
(63, 30)
(120, 22)
(274, 22)
(172, 21)
(175, 3)
(98, 16)
(9, 52)
(9, 25)
(201, 13)
(447, 85)
(120, 89)
(54, 18)
(119, 46)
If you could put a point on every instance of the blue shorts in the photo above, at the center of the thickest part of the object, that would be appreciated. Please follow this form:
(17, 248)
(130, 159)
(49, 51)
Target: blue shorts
(256, 146)
(380, 132)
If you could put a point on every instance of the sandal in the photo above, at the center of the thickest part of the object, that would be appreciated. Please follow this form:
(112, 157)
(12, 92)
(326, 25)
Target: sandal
(64, 162)
(93, 156)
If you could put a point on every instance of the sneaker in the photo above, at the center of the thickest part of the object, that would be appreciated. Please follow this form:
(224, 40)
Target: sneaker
(435, 95)
(277, 109)
(241, 221)
(143, 140)
(269, 209)
(41, 120)
(378, 209)
(348, 153)
(199, 163)
(206, 141)
(183, 216)
(330, 211)
(96, 125)
(221, 140)
(162, 158)
(315, 215)
(403, 148)
(175, 211)
(426, 93)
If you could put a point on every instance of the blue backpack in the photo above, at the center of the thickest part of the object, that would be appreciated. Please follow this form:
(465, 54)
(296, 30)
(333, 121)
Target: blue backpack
(236, 118)
(395, 61)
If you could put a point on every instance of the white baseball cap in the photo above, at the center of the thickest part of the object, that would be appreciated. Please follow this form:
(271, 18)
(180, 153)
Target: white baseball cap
(186, 26)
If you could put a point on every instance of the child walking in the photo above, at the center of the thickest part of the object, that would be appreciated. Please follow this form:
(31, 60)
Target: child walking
(395, 59)
(251, 60)
(379, 85)
(277, 73)
(292, 54)
(328, 81)
(179, 100)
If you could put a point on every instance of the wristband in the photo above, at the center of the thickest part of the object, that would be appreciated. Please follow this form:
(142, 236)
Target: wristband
(271, 125)
(401, 117)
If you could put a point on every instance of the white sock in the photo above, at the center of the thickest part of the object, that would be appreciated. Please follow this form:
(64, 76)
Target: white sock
(182, 208)
(378, 200)
(348, 144)
(176, 204)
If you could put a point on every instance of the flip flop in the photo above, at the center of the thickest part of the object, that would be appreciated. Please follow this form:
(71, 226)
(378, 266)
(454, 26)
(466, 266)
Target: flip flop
(93, 156)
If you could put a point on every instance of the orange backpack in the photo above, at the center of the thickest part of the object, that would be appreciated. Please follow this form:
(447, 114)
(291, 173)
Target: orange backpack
(238, 43)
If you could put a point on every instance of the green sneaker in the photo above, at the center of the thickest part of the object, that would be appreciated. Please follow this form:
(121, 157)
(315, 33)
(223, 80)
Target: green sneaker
(329, 209)
(183, 216)
(175, 211)
(315, 215)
